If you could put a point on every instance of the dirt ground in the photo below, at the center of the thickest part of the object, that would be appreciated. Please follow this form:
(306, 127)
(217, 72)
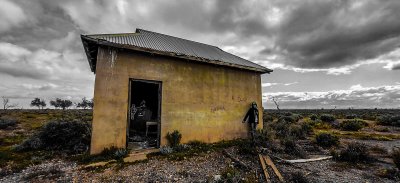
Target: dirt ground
(210, 166)
(206, 167)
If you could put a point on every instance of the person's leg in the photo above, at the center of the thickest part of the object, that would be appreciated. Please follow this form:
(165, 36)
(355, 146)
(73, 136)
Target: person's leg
(252, 130)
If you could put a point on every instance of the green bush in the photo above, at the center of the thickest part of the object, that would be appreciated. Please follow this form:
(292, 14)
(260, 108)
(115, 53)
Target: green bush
(60, 135)
(307, 128)
(290, 117)
(351, 116)
(353, 153)
(281, 128)
(267, 118)
(287, 119)
(313, 117)
(230, 174)
(300, 131)
(263, 136)
(396, 157)
(327, 118)
(389, 120)
(290, 147)
(326, 139)
(174, 138)
(353, 125)
(7, 122)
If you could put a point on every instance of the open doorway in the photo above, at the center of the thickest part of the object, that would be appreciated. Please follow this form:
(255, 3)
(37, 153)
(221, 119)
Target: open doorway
(144, 114)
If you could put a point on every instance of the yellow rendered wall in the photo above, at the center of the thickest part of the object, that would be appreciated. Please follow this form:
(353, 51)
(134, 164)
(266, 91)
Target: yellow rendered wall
(204, 102)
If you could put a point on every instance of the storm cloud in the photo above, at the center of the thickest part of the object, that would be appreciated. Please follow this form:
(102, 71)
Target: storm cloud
(325, 34)
(41, 54)
(354, 97)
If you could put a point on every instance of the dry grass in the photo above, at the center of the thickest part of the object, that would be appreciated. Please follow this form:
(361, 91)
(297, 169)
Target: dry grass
(363, 135)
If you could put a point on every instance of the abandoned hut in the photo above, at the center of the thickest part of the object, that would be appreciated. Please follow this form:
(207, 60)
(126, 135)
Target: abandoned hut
(148, 84)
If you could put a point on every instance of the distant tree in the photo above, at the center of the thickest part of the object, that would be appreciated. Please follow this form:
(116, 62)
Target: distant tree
(91, 103)
(63, 104)
(7, 104)
(55, 104)
(277, 105)
(85, 103)
(39, 103)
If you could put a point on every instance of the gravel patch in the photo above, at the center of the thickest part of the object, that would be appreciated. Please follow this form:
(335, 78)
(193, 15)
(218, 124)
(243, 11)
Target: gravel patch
(49, 171)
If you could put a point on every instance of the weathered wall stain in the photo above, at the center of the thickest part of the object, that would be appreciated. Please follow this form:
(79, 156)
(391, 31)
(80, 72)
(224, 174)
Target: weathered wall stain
(217, 108)
(203, 101)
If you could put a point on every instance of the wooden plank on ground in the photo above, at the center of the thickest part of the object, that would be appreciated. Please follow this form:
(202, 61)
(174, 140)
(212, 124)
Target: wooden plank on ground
(308, 160)
(264, 167)
(272, 165)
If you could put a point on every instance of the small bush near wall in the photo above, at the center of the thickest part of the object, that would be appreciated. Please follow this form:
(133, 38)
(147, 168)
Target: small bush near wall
(326, 139)
(68, 136)
(174, 138)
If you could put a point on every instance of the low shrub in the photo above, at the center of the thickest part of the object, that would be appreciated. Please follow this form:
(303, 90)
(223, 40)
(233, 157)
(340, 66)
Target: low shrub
(351, 116)
(313, 117)
(326, 139)
(389, 120)
(381, 129)
(318, 124)
(300, 131)
(353, 153)
(7, 122)
(247, 149)
(290, 147)
(288, 119)
(298, 177)
(378, 149)
(166, 150)
(327, 118)
(174, 138)
(353, 125)
(389, 173)
(396, 157)
(307, 128)
(281, 129)
(59, 135)
(263, 136)
(267, 118)
(230, 174)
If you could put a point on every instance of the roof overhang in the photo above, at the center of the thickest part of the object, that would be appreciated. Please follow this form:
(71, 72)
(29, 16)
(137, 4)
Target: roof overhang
(91, 48)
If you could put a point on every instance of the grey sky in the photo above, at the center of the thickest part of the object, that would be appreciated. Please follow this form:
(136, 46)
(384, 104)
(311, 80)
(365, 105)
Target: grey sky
(342, 53)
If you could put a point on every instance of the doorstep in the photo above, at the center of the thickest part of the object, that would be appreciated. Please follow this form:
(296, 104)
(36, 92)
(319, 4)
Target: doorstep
(139, 155)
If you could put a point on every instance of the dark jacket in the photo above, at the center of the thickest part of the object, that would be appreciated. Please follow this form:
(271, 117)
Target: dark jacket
(251, 116)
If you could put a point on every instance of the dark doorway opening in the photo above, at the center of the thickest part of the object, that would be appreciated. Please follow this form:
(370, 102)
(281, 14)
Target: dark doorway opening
(144, 114)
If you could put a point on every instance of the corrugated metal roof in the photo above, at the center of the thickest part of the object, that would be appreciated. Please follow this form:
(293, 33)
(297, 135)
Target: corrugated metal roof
(178, 46)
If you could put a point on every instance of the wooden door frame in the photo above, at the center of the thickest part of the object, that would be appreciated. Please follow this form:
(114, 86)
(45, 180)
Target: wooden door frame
(159, 83)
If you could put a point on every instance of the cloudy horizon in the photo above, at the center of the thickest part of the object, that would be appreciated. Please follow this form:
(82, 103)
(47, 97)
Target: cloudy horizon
(325, 54)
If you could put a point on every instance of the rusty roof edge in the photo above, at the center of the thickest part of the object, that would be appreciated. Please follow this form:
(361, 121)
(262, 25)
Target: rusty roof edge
(152, 32)
(270, 70)
(136, 48)
(84, 40)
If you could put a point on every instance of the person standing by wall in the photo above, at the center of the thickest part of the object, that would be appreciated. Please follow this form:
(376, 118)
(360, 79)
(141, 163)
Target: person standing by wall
(252, 119)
